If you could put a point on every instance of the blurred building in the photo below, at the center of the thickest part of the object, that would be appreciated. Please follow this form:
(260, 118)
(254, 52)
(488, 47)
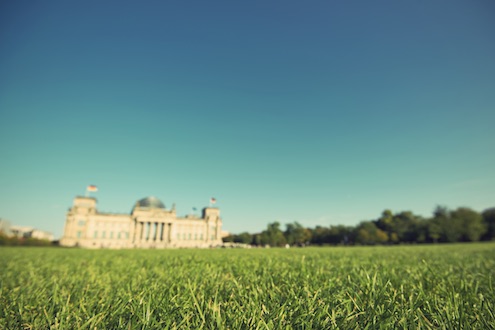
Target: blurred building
(30, 232)
(149, 225)
(5, 227)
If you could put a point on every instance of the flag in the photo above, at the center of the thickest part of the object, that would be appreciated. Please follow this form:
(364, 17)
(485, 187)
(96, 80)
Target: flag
(92, 188)
(213, 200)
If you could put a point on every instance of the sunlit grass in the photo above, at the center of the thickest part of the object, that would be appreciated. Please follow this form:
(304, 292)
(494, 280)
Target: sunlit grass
(445, 286)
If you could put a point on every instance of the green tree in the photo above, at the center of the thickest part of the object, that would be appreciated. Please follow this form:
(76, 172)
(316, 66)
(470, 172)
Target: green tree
(290, 233)
(369, 234)
(273, 235)
(244, 238)
(295, 233)
(471, 223)
(320, 235)
(434, 230)
(450, 228)
(489, 221)
(400, 227)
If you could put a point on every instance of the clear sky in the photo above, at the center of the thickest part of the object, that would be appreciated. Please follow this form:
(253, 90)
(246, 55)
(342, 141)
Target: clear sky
(322, 112)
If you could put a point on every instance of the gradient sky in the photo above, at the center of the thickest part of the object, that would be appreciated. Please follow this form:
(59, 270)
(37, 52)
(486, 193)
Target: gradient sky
(322, 112)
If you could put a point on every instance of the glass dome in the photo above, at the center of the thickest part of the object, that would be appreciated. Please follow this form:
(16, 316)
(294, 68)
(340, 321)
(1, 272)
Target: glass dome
(150, 202)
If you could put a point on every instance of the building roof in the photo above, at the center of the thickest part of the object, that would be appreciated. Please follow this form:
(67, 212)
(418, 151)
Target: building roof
(150, 202)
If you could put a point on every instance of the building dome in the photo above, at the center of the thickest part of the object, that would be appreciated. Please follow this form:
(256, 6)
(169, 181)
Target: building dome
(150, 202)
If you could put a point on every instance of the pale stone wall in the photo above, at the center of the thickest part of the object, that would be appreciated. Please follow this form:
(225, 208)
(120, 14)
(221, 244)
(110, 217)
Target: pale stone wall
(30, 232)
(145, 227)
(5, 227)
(41, 234)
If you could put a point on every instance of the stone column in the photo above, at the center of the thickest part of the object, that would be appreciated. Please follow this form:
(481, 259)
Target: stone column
(132, 231)
(139, 231)
(160, 237)
(166, 233)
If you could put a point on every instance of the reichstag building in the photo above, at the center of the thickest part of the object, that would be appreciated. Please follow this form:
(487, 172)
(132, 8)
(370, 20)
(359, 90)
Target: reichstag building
(149, 225)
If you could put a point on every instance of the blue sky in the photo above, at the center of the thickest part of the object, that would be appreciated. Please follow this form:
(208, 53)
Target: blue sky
(321, 112)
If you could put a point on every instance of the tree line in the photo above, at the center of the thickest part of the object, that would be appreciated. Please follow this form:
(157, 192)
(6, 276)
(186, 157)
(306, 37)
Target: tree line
(444, 226)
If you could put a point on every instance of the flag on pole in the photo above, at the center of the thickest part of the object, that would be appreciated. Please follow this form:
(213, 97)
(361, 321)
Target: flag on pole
(213, 200)
(92, 188)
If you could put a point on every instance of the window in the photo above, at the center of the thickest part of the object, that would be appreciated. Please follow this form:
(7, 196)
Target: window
(95, 235)
(81, 222)
(103, 234)
(196, 236)
(79, 234)
(189, 236)
(127, 235)
(118, 235)
(201, 236)
(178, 236)
(111, 234)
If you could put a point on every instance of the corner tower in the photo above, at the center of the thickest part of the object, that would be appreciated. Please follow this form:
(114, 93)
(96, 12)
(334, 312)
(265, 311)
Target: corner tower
(211, 215)
(76, 224)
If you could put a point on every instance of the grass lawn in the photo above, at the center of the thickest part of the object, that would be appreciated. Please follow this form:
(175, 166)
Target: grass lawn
(423, 286)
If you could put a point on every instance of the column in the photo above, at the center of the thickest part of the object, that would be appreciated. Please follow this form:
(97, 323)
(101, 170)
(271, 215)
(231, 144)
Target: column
(132, 231)
(150, 231)
(160, 238)
(166, 233)
(139, 230)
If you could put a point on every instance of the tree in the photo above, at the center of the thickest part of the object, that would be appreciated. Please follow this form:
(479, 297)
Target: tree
(368, 233)
(471, 223)
(244, 238)
(295, 233)
(319, 235)
(406, 225)
(290, 233)
(257, 240)
(400, 227)
(450, 228)
(273, 235)
(421, 230)
(489, 221)
(339, 234)
(434, 230)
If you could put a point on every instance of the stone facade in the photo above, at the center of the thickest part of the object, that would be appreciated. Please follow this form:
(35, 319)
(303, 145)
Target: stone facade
(149, 225)
(24, 231)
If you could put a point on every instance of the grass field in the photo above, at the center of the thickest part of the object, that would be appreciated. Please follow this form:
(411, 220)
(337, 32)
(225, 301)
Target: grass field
(443, 286)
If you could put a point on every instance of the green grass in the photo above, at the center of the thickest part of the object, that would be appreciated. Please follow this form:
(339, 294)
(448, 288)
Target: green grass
(444, 286)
